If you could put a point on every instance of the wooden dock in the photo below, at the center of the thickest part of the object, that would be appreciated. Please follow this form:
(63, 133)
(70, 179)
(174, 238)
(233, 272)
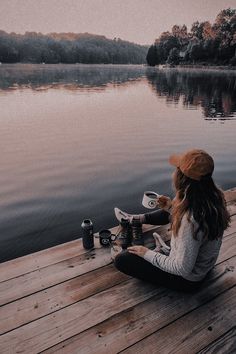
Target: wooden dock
(67, 300)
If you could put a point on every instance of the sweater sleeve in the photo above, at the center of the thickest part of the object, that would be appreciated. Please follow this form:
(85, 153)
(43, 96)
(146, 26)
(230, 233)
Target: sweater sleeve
(181, 260)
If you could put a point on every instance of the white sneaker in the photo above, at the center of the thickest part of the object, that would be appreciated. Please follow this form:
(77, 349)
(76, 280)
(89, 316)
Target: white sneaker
(115, 249)
(122, 215)
(160, 244)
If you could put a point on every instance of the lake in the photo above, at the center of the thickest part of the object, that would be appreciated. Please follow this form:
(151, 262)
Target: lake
(78, 140)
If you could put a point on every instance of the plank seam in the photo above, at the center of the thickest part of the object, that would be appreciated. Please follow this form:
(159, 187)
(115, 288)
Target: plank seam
(216, 340)
(51, 286)
(48, 314)
(149, 229)
(185, 314)
(109, 287)
(49, 265)
(84, 253)
(128, 309)
(110, 263)
(120, 282)
(108, 318)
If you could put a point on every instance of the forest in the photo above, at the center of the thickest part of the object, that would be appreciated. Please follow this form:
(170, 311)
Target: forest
(205, 44)
(68, 48)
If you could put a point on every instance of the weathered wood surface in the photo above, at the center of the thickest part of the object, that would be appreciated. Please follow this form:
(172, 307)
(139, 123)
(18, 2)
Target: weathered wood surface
(44, 302)
(195, 330)
(139, 321)
(67, 300)
(43, 278)
(224, 344)
(23, 265)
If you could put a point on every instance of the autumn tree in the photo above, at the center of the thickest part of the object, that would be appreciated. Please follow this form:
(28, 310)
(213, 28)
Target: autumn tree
(205, 43)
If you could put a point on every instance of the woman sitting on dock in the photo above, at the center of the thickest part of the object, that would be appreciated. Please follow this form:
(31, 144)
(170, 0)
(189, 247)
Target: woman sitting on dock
(198, 217)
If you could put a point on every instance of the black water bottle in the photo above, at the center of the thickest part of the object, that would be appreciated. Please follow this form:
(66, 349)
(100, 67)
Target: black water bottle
(88, 237)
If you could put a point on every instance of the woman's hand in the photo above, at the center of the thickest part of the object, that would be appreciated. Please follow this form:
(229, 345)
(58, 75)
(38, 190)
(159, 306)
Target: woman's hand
(138, 250)
(164, 202)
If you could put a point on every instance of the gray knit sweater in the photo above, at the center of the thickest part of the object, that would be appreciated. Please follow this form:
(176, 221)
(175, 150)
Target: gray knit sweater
(189, 258)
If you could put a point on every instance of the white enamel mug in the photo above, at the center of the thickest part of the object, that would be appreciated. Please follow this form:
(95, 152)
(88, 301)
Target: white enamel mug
(150, 199)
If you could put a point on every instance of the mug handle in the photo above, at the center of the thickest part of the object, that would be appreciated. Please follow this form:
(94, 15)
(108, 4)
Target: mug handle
(113, 237)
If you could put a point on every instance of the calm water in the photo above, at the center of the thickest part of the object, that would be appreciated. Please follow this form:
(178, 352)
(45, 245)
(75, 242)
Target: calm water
(77, 140)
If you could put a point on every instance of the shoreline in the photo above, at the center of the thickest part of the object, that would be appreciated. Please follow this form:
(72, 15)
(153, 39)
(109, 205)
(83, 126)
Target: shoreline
(198, 66)
(160, 66)
(215, 67)
(70, 64)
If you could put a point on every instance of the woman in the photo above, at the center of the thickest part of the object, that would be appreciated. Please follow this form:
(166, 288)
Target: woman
(198, 216)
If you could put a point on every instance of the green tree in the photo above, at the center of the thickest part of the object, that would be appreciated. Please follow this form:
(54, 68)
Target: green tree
(152, 58)
(173, 57)
(214, 43)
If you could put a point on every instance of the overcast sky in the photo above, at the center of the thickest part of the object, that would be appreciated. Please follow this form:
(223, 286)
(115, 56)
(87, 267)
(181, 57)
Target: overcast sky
(139, 21)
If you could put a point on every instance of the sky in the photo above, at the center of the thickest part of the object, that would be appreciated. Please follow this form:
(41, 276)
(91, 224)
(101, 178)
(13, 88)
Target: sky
(139, 21)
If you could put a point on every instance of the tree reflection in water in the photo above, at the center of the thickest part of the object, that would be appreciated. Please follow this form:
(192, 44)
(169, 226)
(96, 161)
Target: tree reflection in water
(69, 77)
(214, 91)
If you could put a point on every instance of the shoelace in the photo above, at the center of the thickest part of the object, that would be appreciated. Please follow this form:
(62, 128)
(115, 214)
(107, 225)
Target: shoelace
(137, 231)
(124, 233)
(121, 231)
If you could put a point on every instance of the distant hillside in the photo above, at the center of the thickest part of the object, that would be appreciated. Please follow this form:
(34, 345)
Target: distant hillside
(68, 48)
(70, 36)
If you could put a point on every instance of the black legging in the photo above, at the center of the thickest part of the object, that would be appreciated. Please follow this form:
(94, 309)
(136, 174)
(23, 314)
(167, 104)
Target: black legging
(138, 267)
(157, 217)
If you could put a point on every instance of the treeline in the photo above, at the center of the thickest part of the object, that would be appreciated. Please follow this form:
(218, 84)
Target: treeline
(68, 48)
(206, 43)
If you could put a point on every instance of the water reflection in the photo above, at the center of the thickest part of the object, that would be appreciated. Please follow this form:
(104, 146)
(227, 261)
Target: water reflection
(214, 91)
(70, 77)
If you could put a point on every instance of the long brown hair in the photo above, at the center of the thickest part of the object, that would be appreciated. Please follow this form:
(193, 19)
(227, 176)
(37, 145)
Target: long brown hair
(204, 201)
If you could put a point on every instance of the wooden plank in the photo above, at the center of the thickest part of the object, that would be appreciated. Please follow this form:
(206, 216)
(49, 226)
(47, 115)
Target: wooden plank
(228, 248)
(232, 207)
(193, 331)
(37, 260)
(43, 278)
(38, 335)
(32, 307)
(37, 280)
(232, 228)
(49, 256)
(47, 301)
(230, 195)
(44, 258)
(128, 327)
(224, 344)
(32, 282)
